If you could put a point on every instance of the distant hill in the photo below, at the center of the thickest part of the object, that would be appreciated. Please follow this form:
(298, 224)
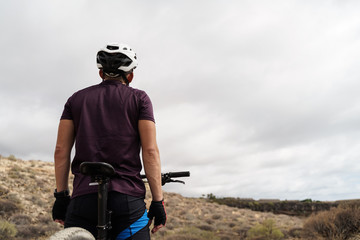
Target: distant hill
(289, 207)
(26, 198)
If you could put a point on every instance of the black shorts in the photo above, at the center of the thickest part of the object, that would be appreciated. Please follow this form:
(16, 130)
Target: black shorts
(128, 219)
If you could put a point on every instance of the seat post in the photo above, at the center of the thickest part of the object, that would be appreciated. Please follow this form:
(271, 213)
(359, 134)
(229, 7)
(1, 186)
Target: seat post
(103, 225)
(100, 174)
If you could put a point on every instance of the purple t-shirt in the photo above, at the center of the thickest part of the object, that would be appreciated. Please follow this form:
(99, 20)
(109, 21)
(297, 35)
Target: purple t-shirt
(106, 119)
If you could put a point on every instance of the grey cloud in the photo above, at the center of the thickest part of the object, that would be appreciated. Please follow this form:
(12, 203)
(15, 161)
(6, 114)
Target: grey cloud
(256, 99)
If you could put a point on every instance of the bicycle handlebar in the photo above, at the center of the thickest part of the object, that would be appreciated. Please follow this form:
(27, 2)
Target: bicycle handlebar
(178, 174)
(166, 177)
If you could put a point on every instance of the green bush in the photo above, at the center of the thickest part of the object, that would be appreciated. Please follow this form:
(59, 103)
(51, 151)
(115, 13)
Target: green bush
(265, 231)
(7, 230)
(211, 196)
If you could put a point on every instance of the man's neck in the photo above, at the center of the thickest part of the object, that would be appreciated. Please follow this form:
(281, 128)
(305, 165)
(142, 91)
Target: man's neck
(115, 79)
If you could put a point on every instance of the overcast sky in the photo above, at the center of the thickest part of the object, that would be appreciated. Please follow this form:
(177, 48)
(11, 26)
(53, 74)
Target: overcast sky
(258, 99)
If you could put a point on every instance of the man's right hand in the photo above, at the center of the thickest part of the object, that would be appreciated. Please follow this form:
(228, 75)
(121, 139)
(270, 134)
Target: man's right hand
(59, 209)
(157, 210)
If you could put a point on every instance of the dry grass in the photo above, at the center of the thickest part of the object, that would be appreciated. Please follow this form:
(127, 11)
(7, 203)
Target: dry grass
(340, 223)
(29, 185)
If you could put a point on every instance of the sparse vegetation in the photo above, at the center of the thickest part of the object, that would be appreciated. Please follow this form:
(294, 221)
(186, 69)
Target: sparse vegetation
(8, 207)
(26, 228)
(7, 230)
(26, 199)
(339, 223)
(266, 230)
(36, 200)
(3, 191)
(192, 233)
(11, 157)
(20, 219)
(15, 172)
(293, 208)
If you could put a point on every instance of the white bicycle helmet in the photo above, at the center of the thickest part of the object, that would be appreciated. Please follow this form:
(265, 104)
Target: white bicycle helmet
(116, 58)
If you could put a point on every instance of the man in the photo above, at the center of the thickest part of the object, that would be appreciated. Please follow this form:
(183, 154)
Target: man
(110, 122)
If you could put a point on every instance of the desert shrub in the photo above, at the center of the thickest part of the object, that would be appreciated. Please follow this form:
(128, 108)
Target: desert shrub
(232, 224)
(211, 196)
(39, 182)
(216, 216)
(182, 212)
(226, 238)
(20, 219)
(192, 233)
(209, 221)
(352, 204)
(44, 219)
(23, 225)
(266, 230)
(338, 223)
(12, 197)
(295, 232)
(205, 227)
(11, 157)
(31, 231)
(48, 224)
(3, 191)
(299, 208)
(182, 237)
(172, 223)
(36, 199)
(7, 230)
(7, 207)
(189, 216)
(28, 229)
(15, 172)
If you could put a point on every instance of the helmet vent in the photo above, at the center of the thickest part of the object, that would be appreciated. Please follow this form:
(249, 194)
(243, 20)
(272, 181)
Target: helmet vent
(112, 47)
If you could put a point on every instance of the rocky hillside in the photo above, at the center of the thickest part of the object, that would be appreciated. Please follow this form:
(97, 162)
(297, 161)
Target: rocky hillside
(26, 199)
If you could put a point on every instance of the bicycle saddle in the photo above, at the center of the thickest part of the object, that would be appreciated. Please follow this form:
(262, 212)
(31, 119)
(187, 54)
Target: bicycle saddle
(97, 169)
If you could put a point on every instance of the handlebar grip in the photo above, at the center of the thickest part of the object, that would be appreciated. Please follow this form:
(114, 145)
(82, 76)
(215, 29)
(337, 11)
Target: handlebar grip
(179, 174)
(172, 174)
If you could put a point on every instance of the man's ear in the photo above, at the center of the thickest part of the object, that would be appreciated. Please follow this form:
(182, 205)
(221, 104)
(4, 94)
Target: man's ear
(130, 77)
(101, 74)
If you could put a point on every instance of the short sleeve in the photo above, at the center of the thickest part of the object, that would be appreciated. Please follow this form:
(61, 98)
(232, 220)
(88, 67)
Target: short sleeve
(146, 108)
(67, 113)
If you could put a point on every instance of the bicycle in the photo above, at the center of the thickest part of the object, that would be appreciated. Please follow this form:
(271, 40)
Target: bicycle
(101, 173)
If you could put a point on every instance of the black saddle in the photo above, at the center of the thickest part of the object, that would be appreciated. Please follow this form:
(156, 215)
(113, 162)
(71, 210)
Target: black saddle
(97, 169)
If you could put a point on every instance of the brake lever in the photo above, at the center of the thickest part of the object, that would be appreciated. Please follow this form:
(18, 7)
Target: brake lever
(172, 180)
(179, 181)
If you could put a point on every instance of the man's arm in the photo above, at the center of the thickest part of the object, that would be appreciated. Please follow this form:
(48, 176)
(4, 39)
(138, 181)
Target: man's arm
(64, 144)
(151, 158)
(152, 166)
